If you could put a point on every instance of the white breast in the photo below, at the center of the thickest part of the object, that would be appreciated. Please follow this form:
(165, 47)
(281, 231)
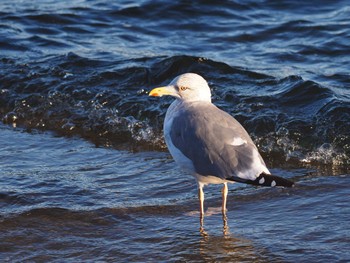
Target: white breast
(184, 162)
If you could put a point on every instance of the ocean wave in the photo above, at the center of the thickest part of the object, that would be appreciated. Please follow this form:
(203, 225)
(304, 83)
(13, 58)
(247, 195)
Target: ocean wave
(107, 103)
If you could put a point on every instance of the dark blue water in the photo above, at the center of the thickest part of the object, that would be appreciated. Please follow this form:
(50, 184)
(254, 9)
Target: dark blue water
(85, 175)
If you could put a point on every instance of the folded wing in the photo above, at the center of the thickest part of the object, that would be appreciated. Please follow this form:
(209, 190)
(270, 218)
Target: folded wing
(216, 143)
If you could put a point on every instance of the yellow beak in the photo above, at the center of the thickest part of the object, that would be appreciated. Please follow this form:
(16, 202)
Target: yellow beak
(160, 91)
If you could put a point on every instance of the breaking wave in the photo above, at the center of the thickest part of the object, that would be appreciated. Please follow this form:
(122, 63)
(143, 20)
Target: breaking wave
(106, 102)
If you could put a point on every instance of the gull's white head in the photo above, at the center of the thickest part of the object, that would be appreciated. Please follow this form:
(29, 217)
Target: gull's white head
(186, 87)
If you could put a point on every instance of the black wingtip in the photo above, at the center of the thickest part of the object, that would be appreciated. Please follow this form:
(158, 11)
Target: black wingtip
(271, 180)
(265, 180)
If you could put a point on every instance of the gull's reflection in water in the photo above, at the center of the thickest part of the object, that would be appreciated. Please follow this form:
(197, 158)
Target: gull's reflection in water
(227, 247)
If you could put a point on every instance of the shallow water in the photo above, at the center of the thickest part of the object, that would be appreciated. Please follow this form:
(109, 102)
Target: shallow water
(84, 171)
(65, 199)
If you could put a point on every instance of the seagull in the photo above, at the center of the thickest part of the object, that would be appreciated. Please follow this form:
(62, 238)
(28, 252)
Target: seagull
(209, 143)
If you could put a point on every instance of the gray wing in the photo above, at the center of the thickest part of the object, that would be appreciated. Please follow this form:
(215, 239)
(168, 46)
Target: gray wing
(206, 134)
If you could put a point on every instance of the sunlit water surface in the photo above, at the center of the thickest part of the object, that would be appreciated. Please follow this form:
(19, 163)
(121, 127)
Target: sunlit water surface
(84, 171)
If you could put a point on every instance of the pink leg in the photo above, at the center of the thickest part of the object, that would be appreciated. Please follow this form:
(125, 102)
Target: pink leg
(224, 192)
(201, 203)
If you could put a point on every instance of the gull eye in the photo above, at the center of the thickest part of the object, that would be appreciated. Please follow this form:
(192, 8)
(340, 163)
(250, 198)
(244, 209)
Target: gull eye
(183, 88)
